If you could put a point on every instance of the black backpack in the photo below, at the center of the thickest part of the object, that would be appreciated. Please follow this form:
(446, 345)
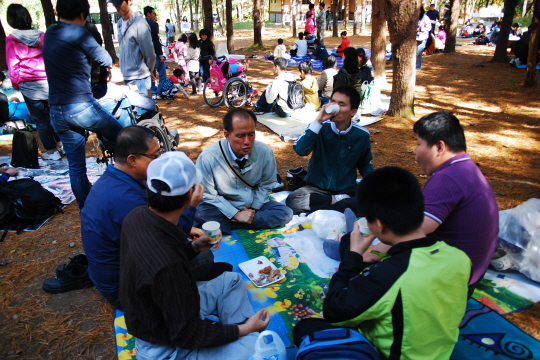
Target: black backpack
(24, 151)
(295, 98)
(24, 202)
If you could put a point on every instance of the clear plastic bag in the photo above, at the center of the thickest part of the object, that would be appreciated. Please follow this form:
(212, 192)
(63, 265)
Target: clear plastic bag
(328, 224)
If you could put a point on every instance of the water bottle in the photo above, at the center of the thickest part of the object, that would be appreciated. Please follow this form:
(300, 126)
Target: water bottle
(269, 346)
(332, 109)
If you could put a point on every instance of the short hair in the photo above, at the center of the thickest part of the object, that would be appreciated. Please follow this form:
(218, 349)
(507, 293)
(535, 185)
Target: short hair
(183, 38)
(306, 67)
(311, 6)
(300, 35)
(513, 25)
(148, 10)
(281, 63)
(354, 96)
(2, 76)
(193, 41)
(280, 41)
(393, 196)
(322, 4)
(317, 42)
(178, 72)
(443, 126)
(164, 203)
(329, 62)
(168, 20)
(245, 114)
(343, 33)
(204, 32)
(431, 5)
(18, 17)
(132, 139)
(71, 9)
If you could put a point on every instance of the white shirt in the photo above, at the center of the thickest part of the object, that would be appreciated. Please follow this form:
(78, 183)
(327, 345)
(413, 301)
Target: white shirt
(234, 156)
(123, 25)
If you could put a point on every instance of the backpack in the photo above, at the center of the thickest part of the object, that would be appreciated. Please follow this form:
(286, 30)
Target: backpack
(295, 95)
(336, 344)
(12, 126)
(24, 151)
(23, 202)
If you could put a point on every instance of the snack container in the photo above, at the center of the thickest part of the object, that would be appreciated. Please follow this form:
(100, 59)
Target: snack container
(252, 267)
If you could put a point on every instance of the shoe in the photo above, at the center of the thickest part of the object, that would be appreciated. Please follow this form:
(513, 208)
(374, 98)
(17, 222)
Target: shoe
(71, 278)
(192, 93)
(296, 183)
(517, 62)
(279, 185)
(156, 97)
(61, 150)
(339, 197)
(258, 112)
(54, 156)
(296, 172)
(79, 260)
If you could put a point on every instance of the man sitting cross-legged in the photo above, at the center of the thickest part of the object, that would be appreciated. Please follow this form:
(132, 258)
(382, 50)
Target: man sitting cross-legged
(238, 174)
(163, 304)
(339, 147)
(118, 191)
(276, 94)
(410, 304)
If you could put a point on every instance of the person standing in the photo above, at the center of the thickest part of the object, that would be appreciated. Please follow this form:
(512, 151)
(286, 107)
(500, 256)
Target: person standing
(422, 35)
(170, 32)
(208, 53)
(193, 67)
(151, 19)
(329, 19)
(321, 23)
(433, 16)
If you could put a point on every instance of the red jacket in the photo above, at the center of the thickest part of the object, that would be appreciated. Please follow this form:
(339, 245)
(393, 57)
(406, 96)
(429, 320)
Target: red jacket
(345, 43)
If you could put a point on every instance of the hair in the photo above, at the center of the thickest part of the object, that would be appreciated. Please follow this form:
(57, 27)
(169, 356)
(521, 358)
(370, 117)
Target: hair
(2, 76)
(306, 67)
(185, 17)
(300, 35)
(329, 62)
(343, 33)
(132, 139)
(71, 9)
(168, 21)
(393, 196)
(441, 27)
(178, 72)
(351, 60)
(280, 41)
(163, 203)
(245, 114)
(317, 42)
(431, 5)
(18, 17)
(352, 93)
(441, 126)
(281, 63)
(205, 32)
(322, 4)
(422, 12)
(193, 41)
(183, 38)
(148, 10)
(513, 25)
(306, 34)
(311, 6)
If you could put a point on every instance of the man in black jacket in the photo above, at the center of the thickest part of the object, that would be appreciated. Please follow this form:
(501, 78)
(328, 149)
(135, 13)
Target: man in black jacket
(160, 68)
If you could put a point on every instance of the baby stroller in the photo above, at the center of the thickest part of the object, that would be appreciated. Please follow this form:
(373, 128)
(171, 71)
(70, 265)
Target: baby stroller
(228, 83)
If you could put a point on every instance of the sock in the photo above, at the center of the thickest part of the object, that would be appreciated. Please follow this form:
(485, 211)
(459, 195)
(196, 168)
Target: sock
(350, 218)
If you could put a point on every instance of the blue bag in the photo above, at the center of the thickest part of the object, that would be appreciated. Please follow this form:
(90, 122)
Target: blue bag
(336, 344)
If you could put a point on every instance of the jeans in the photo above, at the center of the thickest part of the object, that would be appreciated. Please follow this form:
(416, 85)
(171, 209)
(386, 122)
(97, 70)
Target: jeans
(205, 70)
(421, 45)
(162, 73)
(228, 296)
(271, 215)
(312, 198)
(40, 113)
(143, 84)
(70, 122)
(263, 105)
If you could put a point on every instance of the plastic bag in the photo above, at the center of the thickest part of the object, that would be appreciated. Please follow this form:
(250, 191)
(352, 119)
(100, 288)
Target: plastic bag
(328, 224)
(269, 346)
(371, 96)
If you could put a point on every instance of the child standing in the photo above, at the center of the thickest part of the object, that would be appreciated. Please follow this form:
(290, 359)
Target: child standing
(309, 85)
(208, 53)
(192, 59)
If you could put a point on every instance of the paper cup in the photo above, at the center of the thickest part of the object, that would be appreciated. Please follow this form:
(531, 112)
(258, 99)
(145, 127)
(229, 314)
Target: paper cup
(364, 229)
(211, 229)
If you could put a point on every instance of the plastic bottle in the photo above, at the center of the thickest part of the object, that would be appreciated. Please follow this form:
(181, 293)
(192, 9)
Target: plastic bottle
(269, 346)
(332, 109)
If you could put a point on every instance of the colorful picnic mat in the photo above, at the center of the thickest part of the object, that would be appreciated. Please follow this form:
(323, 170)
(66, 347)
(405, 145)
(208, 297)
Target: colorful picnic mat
(317, 64)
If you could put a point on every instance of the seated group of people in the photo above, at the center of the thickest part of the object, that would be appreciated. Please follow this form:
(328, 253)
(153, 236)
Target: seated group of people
(135, 235)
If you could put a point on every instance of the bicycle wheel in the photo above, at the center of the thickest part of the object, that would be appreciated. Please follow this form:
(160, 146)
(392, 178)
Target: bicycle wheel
(211, 97)
(235, 93)
(161, 135)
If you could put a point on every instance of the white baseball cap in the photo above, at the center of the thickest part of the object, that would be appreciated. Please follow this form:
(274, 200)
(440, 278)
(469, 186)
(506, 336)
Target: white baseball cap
(176, 170)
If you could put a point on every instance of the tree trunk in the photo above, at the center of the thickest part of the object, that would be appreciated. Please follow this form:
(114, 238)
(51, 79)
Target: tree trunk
(465, 6)
(241, 15)
(3, 61)
(257, 24)
(501, 50)
(355, 16)
(196, 15)
(364, 14)
(524, 12)
(335, 19)
(208, 18)
(378, 42)
(219, 16)
(263, 17)
(450, 46)
(106, 29)
(283, 12)
(534, 28)
(223, 16)
(48, 12)
(346, 14)
(230, 33)
(178, 16)
(402, 16)
(293, 13)
(190, 14)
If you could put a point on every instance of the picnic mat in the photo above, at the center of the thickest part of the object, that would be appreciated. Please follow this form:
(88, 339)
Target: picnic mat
(317, 64)
(524, 66)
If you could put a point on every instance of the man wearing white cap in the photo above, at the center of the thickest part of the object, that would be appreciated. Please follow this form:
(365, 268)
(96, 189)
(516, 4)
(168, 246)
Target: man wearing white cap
(163, 304)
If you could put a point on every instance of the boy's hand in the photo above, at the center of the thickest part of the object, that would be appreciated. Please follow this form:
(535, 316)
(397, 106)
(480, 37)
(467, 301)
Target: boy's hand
(359, 243)
(323, 115)
(256, 323)
(197, 196)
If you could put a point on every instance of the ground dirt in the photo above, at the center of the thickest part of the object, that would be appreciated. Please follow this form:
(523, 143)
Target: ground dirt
(502, 128)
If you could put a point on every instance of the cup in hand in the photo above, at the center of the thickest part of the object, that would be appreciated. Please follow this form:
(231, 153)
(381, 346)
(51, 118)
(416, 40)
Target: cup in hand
(332, 109)
(211, 229)
(364, 229)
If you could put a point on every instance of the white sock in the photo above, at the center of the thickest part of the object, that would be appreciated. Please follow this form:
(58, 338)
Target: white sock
(340, 197)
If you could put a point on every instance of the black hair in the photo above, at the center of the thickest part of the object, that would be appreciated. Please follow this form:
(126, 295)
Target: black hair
(178, 72)
(168, 20)
(72, 9)
(422, 12)
(183, 38)
(193, 41)
(393, 196)
(205, 32)
(163, 203)
(441, 126)
(343, 33)
(2, 76)
(148, 10)
(18, 17)
(329, 62)
(132, 139)
(322, 4)
(245, 114)
(432, 5)
(185, 17)
(306, 67)
(317, 42)
(351, 60)
(354, 96)
(300, 35)
(441, 27)
(281, 63)
(280, 41)
(513, 25)
(311, 6)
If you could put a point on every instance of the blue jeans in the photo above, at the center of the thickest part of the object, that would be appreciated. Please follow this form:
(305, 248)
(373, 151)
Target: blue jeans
(143, 84)
(162, 72)
(263, 105)
(70, 122)
(421, 45)
(40, 113)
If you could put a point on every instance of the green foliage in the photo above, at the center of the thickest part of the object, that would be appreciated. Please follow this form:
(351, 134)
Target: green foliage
(243, 25)
(524, 21)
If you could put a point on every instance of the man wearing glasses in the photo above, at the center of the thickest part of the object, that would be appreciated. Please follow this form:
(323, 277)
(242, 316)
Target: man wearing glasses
(118, 191)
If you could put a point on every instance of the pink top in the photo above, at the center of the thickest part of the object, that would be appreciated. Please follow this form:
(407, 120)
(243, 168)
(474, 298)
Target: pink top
(24, 63)
(310, 23)
(442, 36)
(180, 51)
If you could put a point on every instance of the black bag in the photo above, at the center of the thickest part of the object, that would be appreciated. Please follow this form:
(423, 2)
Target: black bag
(24, 202)
(12, 126)
(24, 151)
(295, 98)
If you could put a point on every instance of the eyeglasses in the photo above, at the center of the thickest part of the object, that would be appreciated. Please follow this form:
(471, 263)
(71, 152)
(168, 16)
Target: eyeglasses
(151, 156)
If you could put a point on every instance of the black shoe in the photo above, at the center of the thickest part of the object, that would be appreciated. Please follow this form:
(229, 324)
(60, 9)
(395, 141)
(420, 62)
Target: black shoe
(297, 182)
(72, 278)
(279, 185)
(192, 93)
(291, 173)
(79, 260)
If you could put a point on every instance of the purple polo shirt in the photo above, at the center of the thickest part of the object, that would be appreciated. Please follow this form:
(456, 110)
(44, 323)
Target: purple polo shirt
(459, 198)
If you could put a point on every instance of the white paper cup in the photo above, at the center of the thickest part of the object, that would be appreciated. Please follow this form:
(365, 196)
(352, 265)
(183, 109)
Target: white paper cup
(211, 229)
(364, 229)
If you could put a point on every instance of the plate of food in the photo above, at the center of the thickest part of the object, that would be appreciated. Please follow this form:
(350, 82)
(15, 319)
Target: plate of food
(261, 271)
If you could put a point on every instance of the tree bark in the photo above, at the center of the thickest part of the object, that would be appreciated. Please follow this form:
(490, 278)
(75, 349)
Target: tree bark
(178, 15)
(283, 12)
(293, 13)
(263, 17)
(48, 12)
(223, 16)
(230, 33)
(534, 28)
(208, 18)
(402, 16)
(378, 42)
(346, 14)
(364, 13)
(196, 15)
(219, 17)
(191, 14)
(355, 5)
(257, 24)
(524, 12)
(450, 46)
(465, 6)
(3, 61)
(106, 29)
(501, 50)
(335, 19)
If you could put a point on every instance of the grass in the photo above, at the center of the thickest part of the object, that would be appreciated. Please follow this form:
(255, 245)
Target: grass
(255, 48)
(524, 21)
(244, 25)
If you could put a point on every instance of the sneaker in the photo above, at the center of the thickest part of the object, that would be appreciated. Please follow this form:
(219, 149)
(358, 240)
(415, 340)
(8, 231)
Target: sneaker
(71, 278)
(279, 185)
(296, 172)
(192, 93)
(79, 260)
(296, 183)
(517, 62)
(339, 197)
(156, 97)
(61, 150)
(54, 156)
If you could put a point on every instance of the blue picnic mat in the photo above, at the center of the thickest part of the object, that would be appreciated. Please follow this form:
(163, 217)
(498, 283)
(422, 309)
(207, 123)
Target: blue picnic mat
(524, 66)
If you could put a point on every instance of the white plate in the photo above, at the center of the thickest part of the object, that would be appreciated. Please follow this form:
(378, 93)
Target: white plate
(252, 267)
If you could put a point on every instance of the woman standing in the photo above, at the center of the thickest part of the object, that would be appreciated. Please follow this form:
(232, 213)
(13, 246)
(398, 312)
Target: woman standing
(27, 74)
(192, 59)
(180, 52)
(422, 35)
